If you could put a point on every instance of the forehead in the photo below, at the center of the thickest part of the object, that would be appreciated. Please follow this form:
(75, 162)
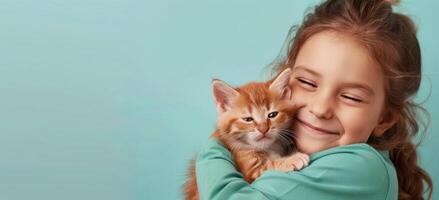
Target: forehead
(339, 59)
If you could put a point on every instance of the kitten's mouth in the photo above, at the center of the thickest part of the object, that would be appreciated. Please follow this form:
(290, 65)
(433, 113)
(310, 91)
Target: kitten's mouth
(262, 137)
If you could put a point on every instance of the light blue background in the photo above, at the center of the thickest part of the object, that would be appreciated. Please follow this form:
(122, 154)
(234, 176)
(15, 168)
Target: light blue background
(110, 99)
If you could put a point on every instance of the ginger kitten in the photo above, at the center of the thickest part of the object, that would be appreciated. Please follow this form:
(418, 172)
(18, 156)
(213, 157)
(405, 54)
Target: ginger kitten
(253, 123)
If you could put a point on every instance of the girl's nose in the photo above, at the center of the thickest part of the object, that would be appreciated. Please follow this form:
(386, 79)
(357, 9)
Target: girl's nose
(321, 105)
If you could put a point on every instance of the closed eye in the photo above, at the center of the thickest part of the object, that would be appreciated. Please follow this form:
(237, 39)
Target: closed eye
(307, 83)
(352, 99)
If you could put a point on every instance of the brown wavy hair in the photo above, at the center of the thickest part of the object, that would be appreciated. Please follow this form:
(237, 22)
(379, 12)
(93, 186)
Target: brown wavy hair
(391, 40)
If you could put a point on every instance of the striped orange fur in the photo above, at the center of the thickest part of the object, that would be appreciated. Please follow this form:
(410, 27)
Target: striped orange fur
(253, 123)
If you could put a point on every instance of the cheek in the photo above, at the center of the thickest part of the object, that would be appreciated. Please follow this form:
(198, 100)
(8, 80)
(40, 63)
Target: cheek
(300, 95)
(357, 127)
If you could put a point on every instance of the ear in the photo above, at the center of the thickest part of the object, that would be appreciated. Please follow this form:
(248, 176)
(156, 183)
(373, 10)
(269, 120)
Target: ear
(223, 95)
(386, 122)
(281, 85)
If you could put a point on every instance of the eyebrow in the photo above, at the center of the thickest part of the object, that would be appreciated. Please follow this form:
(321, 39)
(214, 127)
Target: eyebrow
(364, 87)
(301, 67)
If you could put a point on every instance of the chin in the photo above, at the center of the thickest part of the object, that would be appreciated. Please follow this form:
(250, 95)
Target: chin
(262, 144)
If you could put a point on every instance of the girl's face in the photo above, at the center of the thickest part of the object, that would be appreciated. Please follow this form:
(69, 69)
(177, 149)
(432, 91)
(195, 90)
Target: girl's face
(341, 89)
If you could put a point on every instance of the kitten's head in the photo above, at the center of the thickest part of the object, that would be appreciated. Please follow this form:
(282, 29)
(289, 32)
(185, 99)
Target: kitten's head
(256, 115)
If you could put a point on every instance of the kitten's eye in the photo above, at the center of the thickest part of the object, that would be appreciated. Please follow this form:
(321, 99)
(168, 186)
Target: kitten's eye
(247, 119)
(272, 114)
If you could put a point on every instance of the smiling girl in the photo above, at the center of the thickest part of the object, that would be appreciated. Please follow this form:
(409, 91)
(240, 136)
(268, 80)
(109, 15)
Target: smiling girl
(356, 66)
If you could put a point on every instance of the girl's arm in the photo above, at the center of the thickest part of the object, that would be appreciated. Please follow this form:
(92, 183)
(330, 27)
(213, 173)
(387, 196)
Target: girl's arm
(350, 172)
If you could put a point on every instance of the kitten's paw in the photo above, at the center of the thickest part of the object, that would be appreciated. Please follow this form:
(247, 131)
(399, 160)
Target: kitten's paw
(298, 160)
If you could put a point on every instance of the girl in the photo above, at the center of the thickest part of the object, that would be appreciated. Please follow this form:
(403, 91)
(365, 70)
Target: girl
(356, 67)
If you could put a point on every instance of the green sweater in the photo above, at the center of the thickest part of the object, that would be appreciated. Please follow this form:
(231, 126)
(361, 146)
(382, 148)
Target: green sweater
(354, 172)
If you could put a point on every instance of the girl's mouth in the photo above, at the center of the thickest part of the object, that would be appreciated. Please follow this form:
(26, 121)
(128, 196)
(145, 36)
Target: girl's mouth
(317, 129)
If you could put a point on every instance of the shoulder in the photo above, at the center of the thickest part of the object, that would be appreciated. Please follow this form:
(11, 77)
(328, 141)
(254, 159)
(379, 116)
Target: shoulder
(355, 158)
(357, 165)
(358, 155)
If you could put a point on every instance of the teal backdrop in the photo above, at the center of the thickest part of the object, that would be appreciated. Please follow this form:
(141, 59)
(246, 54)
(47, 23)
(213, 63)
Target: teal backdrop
(110, 99)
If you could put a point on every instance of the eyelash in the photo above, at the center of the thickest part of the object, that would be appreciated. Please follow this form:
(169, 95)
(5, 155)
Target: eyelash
(352, 99)
(306, 82)
(344, 96)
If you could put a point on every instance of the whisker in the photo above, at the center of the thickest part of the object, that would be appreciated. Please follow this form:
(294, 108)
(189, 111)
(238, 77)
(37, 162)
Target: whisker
(288, 133)
(287, 139)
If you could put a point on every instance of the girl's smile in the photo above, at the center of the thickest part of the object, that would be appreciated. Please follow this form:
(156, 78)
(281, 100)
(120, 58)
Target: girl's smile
(315, 129)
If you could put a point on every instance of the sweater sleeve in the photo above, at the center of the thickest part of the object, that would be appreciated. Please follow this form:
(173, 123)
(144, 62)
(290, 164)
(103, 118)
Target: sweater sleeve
(349, 172)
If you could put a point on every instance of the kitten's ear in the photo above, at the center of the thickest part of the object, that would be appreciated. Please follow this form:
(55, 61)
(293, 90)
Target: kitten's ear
(224, 95)
(281, 84)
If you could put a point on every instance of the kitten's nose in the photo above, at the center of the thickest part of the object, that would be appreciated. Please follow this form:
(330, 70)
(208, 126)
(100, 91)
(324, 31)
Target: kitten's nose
(263, 128)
